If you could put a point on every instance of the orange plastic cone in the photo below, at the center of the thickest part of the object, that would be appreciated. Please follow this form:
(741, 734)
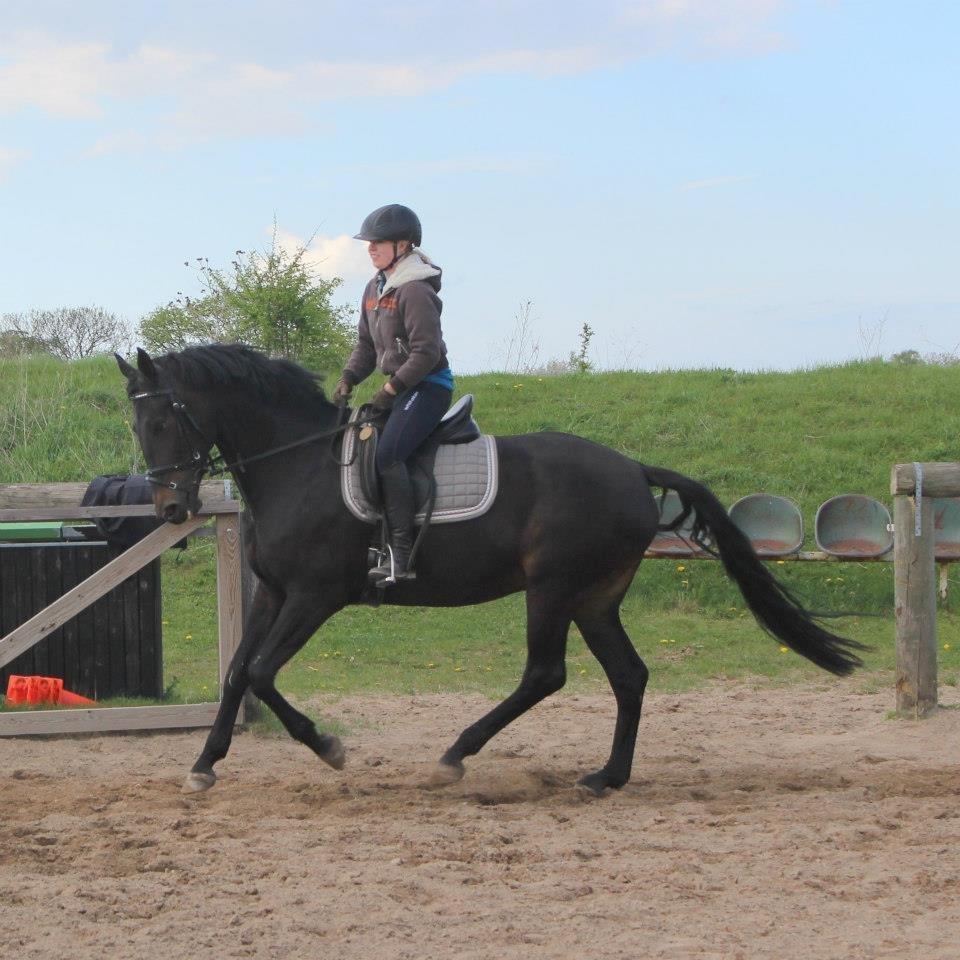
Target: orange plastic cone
(16, 690)
(31, 691)
(70, 699)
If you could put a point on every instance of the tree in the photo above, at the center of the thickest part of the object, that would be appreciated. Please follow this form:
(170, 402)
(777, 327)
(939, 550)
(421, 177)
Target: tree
(272, 301)
(67, 333)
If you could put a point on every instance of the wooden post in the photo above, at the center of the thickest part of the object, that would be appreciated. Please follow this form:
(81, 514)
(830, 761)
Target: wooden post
(915, 600)
(252, 707)
(915, 580)
(229, 590)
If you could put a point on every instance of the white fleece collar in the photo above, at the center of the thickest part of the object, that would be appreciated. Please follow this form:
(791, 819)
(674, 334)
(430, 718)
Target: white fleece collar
(414, 266)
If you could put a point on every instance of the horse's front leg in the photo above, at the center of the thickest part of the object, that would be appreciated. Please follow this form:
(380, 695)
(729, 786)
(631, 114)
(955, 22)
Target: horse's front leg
(261, 615)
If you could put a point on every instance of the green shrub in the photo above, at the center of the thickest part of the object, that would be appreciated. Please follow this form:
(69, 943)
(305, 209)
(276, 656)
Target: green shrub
(270, 300)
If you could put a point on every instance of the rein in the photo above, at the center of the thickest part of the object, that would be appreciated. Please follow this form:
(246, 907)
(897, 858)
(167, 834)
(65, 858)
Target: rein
(202, 463)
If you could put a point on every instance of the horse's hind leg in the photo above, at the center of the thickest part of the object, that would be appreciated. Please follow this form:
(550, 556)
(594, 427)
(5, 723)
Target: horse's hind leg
(548, 621)
(599, 622)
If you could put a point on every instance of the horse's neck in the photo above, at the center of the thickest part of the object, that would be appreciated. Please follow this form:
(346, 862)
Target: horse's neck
(252, 430)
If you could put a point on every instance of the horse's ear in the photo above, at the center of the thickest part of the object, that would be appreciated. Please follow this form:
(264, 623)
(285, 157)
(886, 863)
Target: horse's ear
(146, 365)
(125, 368)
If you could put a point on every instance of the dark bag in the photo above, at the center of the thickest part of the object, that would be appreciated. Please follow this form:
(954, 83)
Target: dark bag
(120, 490)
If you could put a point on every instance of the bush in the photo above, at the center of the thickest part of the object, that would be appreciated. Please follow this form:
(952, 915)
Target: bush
(271, 301)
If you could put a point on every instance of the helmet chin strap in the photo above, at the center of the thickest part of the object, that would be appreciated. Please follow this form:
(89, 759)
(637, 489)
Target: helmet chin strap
(396, 257)
(382, 275)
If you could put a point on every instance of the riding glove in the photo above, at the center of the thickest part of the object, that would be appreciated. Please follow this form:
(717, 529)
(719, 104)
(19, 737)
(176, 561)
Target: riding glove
(342, 390)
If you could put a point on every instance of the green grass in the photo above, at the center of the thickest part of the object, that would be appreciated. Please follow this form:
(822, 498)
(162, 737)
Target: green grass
(808, 435)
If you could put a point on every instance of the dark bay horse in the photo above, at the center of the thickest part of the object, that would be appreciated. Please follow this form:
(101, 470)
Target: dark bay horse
(569, 526)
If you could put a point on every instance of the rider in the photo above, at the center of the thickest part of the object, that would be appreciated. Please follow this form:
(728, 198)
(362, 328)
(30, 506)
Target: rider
(399, 332)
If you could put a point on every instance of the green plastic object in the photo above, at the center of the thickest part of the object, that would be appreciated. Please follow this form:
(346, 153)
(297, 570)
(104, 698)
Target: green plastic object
(946, 528)
(853, 526)
(36, 531)
(774, 525)
(673, 543)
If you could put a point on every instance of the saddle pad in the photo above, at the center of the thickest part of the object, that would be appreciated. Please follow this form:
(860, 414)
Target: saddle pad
(466, 475)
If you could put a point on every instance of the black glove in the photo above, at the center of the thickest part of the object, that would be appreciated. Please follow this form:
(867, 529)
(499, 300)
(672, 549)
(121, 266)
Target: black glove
(342, 390)
(382, 399)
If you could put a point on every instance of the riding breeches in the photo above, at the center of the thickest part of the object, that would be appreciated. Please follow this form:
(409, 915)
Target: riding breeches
(414, 415)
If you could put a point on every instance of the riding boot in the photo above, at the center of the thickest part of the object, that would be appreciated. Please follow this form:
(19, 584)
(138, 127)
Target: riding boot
(399, 507)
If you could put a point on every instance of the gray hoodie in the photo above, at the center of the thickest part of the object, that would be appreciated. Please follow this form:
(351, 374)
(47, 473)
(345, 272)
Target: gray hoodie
(399, 329)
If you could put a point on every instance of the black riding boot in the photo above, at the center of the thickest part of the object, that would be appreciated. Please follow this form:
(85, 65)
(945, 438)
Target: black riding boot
(398, 503)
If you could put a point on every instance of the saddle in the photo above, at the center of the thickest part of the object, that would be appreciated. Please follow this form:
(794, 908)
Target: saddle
(454, 472)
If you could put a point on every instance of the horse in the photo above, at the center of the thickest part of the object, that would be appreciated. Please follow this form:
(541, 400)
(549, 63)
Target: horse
(574, 558)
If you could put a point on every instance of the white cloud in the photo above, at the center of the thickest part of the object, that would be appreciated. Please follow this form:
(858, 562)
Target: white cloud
(185, 96)
(9, 158)
(68, 79)
(75, 80)
(339, 256)
(717, 27)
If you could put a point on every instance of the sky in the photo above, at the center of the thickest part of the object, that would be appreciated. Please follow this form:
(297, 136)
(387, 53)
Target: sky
(752, 184)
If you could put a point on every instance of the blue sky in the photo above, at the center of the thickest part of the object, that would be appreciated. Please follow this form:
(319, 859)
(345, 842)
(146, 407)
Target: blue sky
(739, 183)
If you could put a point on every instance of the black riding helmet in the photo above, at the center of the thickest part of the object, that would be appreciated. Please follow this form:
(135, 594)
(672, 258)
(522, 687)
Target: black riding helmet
(392, 222)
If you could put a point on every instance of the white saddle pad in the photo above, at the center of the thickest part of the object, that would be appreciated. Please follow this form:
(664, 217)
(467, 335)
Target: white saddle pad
(466, 475)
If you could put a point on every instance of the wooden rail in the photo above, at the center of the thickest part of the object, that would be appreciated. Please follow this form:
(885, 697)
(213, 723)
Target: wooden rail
(27, 502)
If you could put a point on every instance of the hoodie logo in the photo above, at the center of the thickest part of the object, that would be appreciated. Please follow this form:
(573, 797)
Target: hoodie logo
(385, 303)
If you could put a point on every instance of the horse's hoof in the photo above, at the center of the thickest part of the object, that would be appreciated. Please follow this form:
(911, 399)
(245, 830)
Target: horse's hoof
(443, 774)
(333, 752)
(591, 787)
(198, 782)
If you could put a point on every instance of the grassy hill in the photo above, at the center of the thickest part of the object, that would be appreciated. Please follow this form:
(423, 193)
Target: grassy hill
(808, 435)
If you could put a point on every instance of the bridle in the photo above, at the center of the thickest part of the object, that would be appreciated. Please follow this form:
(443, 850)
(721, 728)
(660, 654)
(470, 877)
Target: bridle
(200, 463)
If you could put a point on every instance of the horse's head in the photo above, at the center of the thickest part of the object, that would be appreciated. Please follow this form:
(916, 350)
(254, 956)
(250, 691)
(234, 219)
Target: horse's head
(174, 440)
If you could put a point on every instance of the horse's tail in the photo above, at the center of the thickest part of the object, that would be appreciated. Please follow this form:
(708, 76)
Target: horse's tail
(774, 606)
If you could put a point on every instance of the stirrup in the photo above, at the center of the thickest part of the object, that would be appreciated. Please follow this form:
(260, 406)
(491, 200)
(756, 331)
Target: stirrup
(386, 575)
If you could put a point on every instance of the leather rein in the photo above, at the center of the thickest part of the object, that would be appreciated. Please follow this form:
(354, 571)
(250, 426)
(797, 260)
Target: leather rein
(200, 463)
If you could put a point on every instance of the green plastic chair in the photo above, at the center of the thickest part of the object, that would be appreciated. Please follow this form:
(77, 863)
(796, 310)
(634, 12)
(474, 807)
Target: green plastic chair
(774, 525)
(674, 543)
(946, 528)
(853, 526)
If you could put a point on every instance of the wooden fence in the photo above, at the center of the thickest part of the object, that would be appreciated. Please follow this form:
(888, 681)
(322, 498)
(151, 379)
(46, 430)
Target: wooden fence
(29, 502)
(913, 485)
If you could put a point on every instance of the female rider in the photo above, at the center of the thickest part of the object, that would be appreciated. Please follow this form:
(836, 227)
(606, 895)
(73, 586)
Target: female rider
(399, 332)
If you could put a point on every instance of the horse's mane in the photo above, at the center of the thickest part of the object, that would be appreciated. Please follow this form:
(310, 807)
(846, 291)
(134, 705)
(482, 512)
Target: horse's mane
(230, 364)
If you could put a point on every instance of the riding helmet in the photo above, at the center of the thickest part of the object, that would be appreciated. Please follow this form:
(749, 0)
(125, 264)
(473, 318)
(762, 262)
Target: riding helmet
(392, 222)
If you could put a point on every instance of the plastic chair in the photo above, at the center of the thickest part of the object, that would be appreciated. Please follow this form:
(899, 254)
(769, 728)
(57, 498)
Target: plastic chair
(774, 525)
(854, 526)
(673, 543)
(946, 528)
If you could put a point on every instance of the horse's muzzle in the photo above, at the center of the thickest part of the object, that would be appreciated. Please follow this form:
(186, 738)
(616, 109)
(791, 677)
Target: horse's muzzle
(173, 512)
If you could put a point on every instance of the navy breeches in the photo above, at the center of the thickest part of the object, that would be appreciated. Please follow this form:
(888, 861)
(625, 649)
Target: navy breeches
(413, 417)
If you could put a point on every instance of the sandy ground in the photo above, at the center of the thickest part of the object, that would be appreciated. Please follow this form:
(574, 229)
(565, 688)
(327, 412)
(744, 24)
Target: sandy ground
(759, 823)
